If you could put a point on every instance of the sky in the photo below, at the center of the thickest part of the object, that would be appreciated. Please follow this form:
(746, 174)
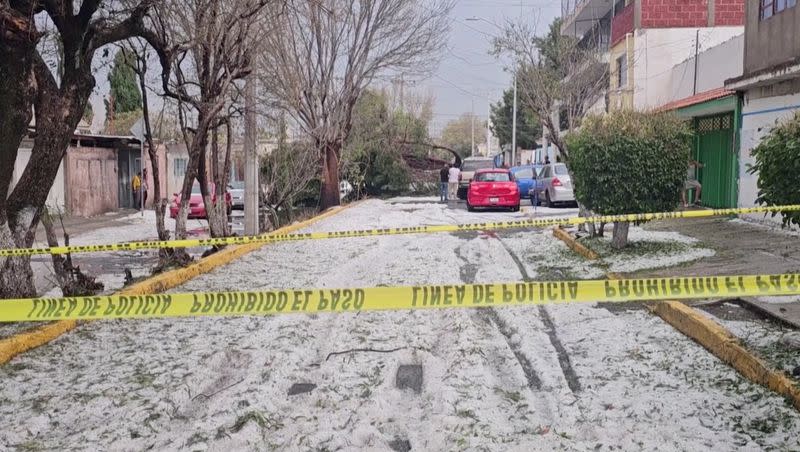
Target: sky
(467, 71)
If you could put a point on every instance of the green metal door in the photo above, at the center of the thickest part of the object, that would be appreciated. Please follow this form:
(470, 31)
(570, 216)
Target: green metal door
(714, 148)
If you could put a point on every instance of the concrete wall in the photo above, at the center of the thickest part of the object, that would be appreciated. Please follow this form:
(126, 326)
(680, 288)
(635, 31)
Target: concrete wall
(56, 196)
(771, 41)
(174, 181)
(91, 180)
(655, 53)
(714, 66)
(759, 116)
(620, 97)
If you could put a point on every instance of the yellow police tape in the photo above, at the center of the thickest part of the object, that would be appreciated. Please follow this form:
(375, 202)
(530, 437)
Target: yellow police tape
(394, 298)
(271, 238)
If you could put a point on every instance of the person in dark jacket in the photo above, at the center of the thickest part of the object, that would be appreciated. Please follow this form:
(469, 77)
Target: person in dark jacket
(443, 174)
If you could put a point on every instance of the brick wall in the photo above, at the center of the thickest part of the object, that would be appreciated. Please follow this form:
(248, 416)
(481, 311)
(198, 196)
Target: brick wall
(675, 13)
(729, 12)
(622, 23)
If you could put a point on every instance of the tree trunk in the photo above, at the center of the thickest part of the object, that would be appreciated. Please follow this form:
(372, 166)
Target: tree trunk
(329, 193)
(619, 237)
(159, 203)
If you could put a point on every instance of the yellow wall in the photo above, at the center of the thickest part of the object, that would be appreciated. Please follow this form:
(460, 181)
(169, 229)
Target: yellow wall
(621, 97)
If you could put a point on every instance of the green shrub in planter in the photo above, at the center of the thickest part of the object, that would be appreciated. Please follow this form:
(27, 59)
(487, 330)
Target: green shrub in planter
(778, 166)
(629, 162)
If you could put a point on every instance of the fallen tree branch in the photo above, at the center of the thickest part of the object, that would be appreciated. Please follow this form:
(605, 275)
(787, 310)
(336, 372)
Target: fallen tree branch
(373, 350)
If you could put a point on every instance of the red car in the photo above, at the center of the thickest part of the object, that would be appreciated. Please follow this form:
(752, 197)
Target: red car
(197, 208)
(493, 187)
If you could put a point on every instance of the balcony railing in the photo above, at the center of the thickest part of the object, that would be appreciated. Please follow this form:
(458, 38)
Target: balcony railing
(622, 24)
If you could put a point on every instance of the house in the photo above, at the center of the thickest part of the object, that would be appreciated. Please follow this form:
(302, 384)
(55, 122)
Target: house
(95, 175)
(646, 38)
(770, 83)
(697, 84)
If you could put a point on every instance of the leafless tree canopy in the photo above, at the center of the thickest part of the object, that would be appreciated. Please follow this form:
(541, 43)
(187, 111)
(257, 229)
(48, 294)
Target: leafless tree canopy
(318, 57)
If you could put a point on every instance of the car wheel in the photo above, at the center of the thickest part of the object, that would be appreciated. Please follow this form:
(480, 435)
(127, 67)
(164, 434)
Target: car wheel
(470, 208)
(515, 208)
(547, 198)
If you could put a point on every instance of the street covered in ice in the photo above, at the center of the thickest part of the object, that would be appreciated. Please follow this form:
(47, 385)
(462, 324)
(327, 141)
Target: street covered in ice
(579, 377)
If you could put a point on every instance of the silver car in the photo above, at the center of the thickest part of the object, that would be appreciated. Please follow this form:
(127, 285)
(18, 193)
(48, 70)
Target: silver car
(236, 189)
(554, 185)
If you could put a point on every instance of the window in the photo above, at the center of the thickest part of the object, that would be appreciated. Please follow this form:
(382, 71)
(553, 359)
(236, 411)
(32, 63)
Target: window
(622, 71)
(472, 165)
(769, 8)
(561, 169)
(493, 177)
(524, 174)
(179, 167)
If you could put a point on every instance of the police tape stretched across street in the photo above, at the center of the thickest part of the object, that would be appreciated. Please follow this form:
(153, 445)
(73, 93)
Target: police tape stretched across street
(393, 298)
(272, 238)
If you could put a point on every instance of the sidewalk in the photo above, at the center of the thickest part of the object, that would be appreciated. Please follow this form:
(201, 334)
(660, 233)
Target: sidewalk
(742, 248)
(79, 225)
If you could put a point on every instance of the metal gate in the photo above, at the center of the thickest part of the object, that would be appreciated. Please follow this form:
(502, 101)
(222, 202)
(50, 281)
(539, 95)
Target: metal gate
(714, 148)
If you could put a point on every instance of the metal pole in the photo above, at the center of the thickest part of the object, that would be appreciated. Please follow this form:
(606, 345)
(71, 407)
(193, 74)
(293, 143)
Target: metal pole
(488, 131)
(514, 123)
(473, 126)
(696, 47)
(250, 161)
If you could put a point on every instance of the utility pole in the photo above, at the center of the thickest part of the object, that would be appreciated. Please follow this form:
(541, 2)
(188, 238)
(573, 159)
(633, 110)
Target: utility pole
(473, 126)
(250, 159)
(514, 123)
(696, 48)
(488, 131)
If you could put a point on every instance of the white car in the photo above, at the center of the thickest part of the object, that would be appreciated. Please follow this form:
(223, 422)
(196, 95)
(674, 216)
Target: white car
(554, 185)
(236, 189)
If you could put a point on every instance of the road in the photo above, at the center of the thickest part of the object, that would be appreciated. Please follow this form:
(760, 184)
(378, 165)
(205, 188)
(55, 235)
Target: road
(577, 377)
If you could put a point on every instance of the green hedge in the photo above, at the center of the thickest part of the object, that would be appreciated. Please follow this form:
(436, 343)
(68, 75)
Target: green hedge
(777, 162)
(630, 162)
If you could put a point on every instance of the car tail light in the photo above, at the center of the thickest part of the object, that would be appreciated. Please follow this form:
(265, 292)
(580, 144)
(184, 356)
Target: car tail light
(556, 182)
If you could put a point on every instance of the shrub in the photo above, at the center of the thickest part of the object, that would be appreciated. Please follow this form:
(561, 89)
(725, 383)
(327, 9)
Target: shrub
(777, 162)
(629, 162)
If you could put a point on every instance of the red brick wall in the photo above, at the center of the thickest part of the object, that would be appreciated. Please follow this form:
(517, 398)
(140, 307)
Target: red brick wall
(675, 13)
(622, 24)
(729, 12)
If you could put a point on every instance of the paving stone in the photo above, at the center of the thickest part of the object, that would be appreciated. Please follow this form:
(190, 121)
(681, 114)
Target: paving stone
(410, 376)
(301, 388)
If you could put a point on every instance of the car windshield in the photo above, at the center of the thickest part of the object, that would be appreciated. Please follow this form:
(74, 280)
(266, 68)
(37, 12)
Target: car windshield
(237, 185)
(472, 165)
(561, 169)
(526, 173)
(493, 177)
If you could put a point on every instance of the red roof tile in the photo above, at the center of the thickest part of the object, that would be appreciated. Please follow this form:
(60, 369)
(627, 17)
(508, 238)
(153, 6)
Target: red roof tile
(699, 98)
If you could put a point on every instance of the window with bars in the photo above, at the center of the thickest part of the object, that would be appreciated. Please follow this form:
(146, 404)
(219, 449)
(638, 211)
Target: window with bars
(179, 167)
(769, 8)
(622, 71)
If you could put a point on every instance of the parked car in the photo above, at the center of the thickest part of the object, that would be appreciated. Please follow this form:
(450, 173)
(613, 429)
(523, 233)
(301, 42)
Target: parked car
(468, 167)
(236, 189)
(494, 187)
(197, 208)
(526, 177)
(555, 185)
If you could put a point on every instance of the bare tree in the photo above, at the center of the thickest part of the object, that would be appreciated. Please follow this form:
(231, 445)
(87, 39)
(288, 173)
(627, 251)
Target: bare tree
(320, 55)
(208, 49)
(58, 98)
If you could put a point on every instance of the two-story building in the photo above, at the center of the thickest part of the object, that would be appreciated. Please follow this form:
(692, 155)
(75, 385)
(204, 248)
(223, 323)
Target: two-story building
(646, 38)
(770, 83)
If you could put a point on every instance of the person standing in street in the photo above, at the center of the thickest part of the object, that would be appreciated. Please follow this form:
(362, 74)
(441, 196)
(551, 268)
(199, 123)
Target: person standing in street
(144, 188)
(136, 185)
(692, 184)
(452, 181)
(444, 175)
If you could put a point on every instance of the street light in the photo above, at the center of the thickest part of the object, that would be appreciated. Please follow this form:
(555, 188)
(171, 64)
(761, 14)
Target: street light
(514, 111)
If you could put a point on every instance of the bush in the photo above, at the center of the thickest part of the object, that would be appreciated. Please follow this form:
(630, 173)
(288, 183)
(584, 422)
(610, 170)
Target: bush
(777, 162)
(629, 162)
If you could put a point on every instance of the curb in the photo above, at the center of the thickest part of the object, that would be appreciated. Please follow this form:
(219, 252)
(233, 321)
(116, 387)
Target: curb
(711, 335)
(571, 242)
(41, 335)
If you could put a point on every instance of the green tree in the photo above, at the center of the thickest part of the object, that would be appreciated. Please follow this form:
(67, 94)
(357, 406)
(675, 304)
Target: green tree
(629, 162)
(124, 96)
(777, 163)
(457, 134)
(529, 129)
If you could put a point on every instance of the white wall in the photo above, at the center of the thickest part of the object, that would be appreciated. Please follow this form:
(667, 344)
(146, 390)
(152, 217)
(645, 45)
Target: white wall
(758, 118)
(657, 50)
(714, 65)
(55, 198)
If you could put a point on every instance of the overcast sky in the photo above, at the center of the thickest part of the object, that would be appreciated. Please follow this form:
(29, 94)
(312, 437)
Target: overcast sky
(467, 70)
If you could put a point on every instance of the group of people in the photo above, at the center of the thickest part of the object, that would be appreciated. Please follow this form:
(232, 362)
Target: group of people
(448, 182)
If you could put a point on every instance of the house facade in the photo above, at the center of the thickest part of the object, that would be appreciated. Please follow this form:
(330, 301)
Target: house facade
(770, 84)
